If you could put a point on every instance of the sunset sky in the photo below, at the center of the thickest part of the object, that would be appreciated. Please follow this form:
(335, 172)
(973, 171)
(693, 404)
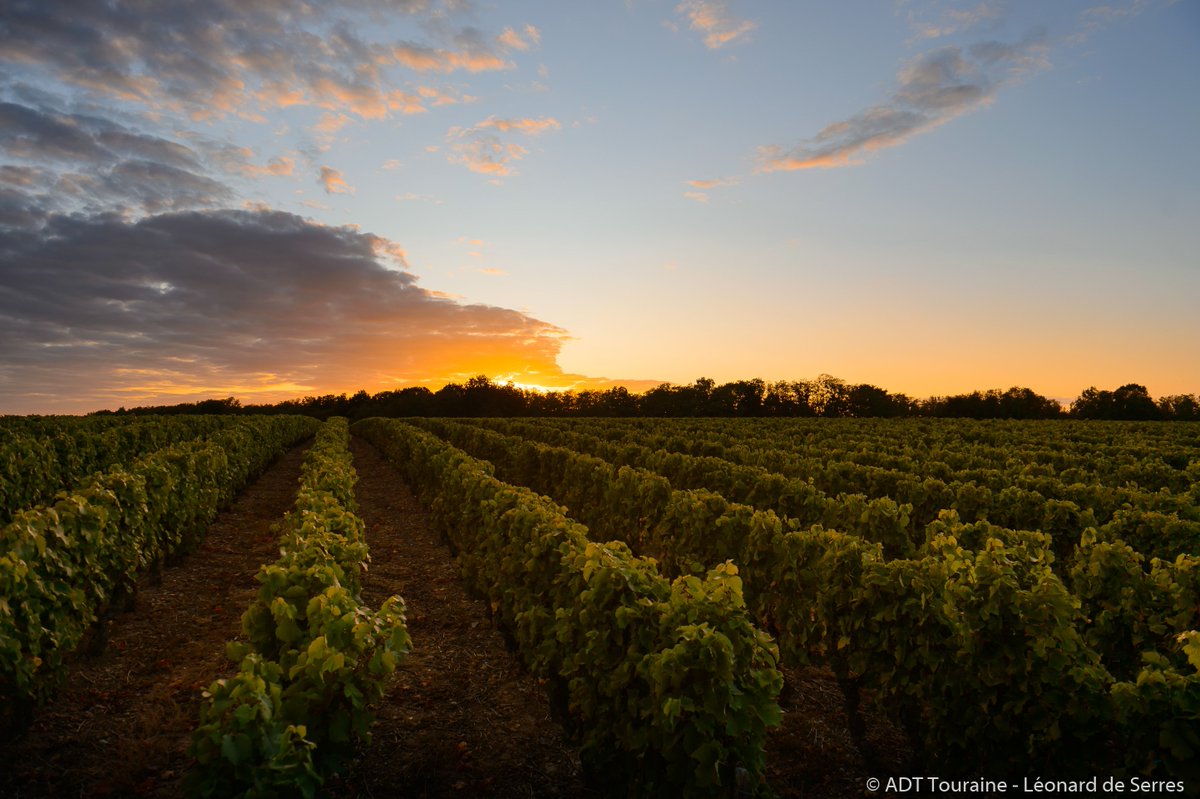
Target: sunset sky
(270, 198)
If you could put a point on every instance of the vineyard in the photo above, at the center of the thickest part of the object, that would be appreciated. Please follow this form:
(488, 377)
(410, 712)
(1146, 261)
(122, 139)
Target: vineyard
(986, 599)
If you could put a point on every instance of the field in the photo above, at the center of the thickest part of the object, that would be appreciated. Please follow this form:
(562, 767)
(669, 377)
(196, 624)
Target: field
(640, 606)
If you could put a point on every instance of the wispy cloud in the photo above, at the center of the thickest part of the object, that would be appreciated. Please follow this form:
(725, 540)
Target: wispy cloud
(481, 150)
(950, 21)
(244, 58)
(713, 19)
(509, 39)
(530, 127)
(714, 183)
(486, 155)
(331, 123)
(1093, 18)
(333, 181)
(443, 96)
(425, 59)
(932, 89)
(240, 161)
(412, 197)
(700, 188)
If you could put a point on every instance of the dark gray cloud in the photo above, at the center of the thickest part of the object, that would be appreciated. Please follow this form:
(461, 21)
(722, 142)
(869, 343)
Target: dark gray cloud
(233, 56)
(932, 89)
(76, 162)
(120, 281)
(150, 187)
(99, 311)
(42, 134)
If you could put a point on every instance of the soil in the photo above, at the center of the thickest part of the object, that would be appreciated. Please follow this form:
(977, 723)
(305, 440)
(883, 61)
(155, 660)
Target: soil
(461, 717)
(123, 721)
(812, 754)
(464, 719)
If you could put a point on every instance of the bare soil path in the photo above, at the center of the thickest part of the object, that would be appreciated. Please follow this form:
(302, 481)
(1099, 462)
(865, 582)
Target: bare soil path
(462, 718)
(123, 722)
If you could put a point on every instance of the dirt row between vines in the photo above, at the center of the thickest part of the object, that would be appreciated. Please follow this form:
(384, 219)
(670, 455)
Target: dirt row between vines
(122, 724)
(461, 717)
(464, 719)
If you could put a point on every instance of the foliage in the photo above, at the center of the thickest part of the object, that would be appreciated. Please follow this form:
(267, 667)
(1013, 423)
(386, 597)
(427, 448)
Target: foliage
(65, 564)
(316, 657)
(669, 685)
(995, 632)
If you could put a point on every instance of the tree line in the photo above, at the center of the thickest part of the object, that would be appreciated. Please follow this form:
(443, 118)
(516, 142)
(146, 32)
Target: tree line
(825, 396)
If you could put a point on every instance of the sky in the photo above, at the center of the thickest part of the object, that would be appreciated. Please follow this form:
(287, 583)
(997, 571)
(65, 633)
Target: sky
(269, 199)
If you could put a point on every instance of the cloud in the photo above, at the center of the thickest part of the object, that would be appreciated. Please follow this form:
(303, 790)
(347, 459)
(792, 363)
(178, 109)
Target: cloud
(712, 18)
(932, 89)
(45, 134)
(238, 161)
(98, 311)
(530, 127)
(331, 123)
(704, 186)
(509, 39)
(241, 57)
(715, 183)
(1095, 18)
(956, 20)
(334, 182)
(81, 162)
(409, 197)
(487, 153)
(154, 187)
(470, 52)
(441, 96)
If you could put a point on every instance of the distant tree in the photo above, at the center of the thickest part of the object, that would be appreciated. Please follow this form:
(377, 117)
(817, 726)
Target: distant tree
(218, 406)
(829, 396)
(1180, 407)
(479, 397)
(1092, 403)
(1015, 403)
(411, 401)
(1131, 402)
(659, 401)
(739, 398)
(788, 399)
(549, 403)
(619, 401)
(1024, 403)
(866, 400)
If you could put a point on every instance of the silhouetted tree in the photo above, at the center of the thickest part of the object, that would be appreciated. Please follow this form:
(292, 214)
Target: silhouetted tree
(868, 400)
(1015, 403)
(825, 396)
(1131, 402)
(788, 399)
(1180, 407)
(739, 398)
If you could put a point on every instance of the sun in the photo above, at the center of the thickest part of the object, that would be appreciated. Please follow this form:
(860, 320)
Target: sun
(511, 380)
